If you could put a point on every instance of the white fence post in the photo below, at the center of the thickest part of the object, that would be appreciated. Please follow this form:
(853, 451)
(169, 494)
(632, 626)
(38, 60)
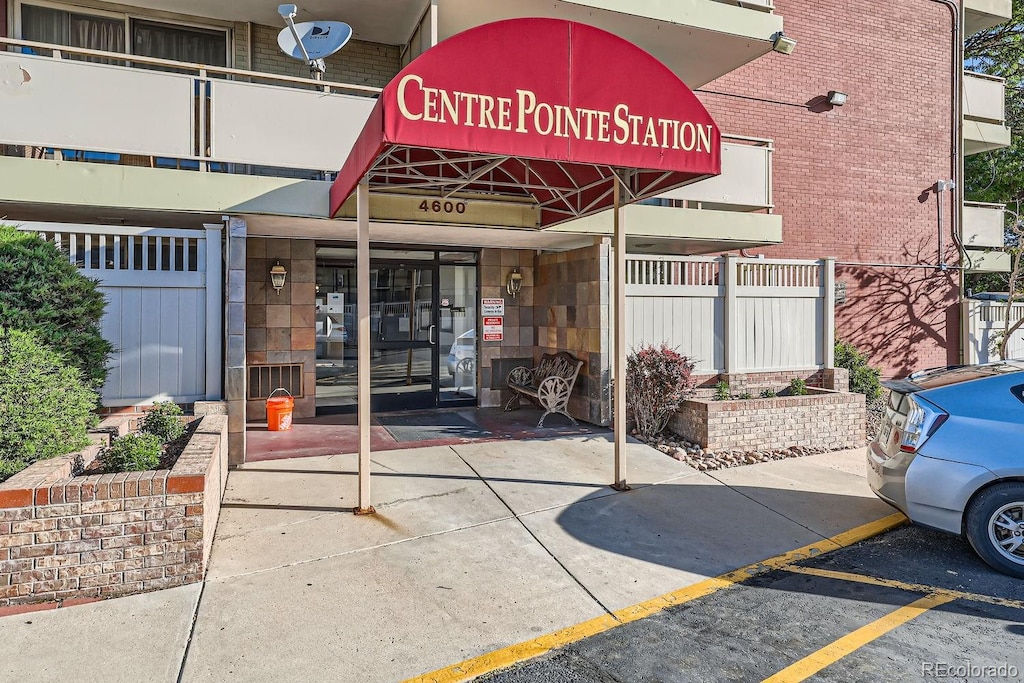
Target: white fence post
(828, 282)
(730, 329)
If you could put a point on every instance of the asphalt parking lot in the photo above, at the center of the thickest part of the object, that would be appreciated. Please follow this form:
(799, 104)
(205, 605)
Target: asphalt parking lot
(909, 605)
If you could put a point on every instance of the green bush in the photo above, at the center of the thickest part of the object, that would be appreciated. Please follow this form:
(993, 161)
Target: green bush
(46, 409)
(863, 377)
(745, 396)
(162, 421)
(41, 291)
(797, 387)
(722, 391)
(132, 453)
(768, 393)
(8, 468)
(658, 380)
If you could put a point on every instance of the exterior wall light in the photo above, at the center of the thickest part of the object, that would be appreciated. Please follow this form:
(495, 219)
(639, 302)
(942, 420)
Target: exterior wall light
(783, 44)
(836, 98)
(514, 283)
(278, 275)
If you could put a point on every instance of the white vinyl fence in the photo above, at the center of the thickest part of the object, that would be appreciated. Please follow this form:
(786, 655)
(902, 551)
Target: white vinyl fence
(163, 314)
(732, 314)
(984, 321)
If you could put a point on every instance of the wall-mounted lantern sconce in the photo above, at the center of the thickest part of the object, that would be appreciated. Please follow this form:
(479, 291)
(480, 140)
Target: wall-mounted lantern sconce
(278, 274)
(783, 44)
(836, 98)
(514, 283)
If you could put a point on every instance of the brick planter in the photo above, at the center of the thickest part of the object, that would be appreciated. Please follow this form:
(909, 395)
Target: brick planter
(68, 538)
(822, 418)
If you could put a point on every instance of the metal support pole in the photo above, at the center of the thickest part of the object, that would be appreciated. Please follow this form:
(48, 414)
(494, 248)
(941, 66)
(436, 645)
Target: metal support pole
(619, 312)
(363, 299)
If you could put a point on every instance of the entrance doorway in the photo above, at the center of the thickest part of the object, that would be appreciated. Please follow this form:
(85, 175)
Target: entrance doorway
(423, 344)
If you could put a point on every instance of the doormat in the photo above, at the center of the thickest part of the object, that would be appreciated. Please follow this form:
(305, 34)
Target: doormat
(406, 427)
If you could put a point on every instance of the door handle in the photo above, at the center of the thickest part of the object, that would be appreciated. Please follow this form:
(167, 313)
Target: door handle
(430, 335)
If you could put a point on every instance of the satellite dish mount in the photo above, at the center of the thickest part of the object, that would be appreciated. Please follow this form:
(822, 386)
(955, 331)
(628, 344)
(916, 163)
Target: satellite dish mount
(311, 41)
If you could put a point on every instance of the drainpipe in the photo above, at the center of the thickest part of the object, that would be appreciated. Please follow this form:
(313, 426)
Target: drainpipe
(956, 194)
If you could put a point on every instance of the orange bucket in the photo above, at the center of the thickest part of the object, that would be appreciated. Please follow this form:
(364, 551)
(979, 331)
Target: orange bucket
(279, 411)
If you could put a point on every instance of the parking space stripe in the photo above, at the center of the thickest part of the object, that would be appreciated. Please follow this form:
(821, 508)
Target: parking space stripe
(520, 652)
(851, 642)
(903, 585)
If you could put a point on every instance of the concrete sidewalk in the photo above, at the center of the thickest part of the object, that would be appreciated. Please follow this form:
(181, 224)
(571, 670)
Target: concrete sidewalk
(474, 547)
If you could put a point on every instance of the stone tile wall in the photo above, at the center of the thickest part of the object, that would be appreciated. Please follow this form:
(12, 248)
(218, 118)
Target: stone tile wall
(573, 313)
(498, 358)
(281, 327)
(564, 305)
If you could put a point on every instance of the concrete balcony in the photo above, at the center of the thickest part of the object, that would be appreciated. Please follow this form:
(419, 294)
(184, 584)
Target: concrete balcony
(722, 213)
(140, 138)
(984, 225)
(700, 40)
(981, 261)
(982, 14)
(984, 113)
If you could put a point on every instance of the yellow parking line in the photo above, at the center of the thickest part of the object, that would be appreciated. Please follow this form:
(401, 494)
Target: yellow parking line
(836, 650)
(520, 652)
(902, 585)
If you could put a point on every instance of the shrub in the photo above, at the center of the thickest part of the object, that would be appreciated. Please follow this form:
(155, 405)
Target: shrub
(41, 291)
(768, 393)
(863, 377)
(132, 453)
(658, 380)
(162, 421)
(722, 391)
(46, 409)
(797, 387)
(8, 468)
(745, 396)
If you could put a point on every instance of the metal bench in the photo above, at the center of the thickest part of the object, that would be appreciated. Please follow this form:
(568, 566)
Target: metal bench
(549, 384)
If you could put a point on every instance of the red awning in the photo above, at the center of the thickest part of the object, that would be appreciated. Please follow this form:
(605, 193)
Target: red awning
(538, 109)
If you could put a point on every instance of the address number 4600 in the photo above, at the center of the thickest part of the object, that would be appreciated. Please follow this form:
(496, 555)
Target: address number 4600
(438, 206)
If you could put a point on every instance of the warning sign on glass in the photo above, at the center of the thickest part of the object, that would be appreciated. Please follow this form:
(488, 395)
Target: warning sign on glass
(494, 329)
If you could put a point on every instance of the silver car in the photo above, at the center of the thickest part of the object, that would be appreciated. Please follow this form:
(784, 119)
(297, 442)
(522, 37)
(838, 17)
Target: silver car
(950, 455)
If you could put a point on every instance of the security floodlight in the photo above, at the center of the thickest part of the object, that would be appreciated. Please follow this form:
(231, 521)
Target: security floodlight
(783, 44)
(836, 98)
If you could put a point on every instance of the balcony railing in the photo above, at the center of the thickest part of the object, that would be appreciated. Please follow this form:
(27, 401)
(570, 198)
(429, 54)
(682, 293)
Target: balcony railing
(984, 225)
(984, 97)
(141, 111)
(744, 185)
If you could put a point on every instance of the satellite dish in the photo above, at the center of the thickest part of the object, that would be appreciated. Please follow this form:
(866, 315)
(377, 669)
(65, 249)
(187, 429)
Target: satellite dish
(311, 41)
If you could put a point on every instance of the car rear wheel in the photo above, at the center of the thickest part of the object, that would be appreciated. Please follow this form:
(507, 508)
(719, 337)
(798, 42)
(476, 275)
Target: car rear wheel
(995, 527)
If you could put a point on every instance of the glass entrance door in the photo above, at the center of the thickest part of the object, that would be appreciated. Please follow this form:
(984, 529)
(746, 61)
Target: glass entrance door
(403, 327)
(422, 330)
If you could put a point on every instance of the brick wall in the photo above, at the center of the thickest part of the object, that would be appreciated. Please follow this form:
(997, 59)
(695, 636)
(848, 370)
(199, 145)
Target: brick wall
(828, 420)
(281, 327)
(854, 181)
(359, 62)
(64, 537)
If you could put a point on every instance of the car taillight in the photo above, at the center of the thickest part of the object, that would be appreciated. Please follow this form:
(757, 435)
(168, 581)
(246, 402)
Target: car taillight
(922, 421)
